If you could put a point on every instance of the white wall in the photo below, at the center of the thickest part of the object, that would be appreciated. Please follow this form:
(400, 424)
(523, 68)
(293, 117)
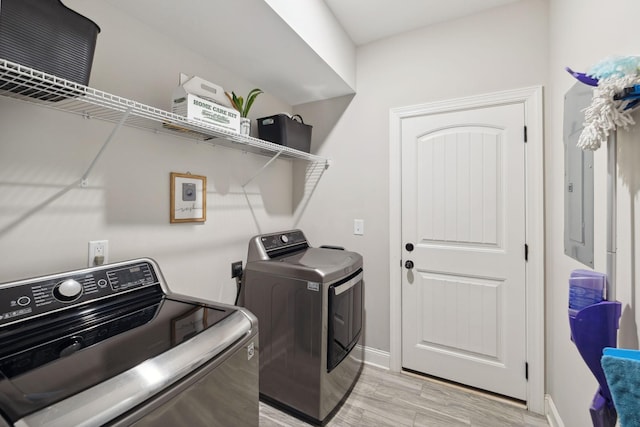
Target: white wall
(127, 201)
(504, 48)
(583, 33)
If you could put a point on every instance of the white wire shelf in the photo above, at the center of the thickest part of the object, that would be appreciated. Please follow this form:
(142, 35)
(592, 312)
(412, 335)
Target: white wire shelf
(27, 84)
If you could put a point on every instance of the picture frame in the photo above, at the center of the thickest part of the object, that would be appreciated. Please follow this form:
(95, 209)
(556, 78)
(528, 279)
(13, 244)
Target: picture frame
(188, 198)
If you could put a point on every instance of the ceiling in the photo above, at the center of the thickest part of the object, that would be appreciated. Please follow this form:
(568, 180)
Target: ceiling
(252, 39)
(369, 20)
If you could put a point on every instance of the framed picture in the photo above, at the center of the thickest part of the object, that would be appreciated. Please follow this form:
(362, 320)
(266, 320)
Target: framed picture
(188, 197)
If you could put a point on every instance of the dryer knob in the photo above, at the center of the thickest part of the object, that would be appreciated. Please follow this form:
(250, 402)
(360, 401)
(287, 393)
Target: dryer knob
(284, 238)
(67, 290)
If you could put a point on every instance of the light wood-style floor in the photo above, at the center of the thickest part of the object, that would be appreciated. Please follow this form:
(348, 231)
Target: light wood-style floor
(381, 398)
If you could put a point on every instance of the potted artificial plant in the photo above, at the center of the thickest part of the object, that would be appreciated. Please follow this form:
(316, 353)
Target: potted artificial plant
(243, 108)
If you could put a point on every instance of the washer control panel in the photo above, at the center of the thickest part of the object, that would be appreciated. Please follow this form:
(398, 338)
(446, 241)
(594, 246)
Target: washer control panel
(28, 298)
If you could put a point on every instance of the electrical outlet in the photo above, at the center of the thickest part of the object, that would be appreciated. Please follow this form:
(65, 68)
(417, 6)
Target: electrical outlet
(98, 252)
(358, 227)
(236, 269)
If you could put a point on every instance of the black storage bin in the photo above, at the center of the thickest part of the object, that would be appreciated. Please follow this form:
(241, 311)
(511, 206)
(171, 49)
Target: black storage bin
(284, 130)
(47, 36)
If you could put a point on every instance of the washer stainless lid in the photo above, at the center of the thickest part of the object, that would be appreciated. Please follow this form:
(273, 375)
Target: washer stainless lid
(50, 357)
(56, 367)
(312, 264)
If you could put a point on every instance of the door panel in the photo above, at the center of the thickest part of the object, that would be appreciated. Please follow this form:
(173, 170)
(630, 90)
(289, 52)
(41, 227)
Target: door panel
(468, 328)
(457, 185)
(463, 207)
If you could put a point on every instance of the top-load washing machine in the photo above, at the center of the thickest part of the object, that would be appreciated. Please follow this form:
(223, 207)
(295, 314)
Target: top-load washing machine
(309, 304)
(110, 345)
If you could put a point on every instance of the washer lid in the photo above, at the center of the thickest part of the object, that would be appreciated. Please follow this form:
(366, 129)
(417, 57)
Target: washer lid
(313, 264)
(53, 357)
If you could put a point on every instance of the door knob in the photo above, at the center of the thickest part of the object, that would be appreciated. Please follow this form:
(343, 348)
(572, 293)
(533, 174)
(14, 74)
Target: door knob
(408, 264)
(409, 247)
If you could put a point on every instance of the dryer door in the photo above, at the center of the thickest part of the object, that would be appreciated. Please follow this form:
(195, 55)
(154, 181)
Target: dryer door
(345, 318)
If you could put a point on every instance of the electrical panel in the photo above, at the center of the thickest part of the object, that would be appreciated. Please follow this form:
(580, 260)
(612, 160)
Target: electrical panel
(578, 178)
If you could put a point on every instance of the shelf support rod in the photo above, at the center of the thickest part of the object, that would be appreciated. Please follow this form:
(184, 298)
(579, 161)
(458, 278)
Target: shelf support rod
(253, 213)
(255, 175)
(84, 180)
(266, 165)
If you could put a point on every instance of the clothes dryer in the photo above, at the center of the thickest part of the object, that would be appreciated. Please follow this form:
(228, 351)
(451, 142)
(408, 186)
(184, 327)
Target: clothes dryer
(309, 303)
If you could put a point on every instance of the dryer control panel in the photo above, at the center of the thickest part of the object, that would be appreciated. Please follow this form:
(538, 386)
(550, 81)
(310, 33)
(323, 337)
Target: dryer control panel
(282, 240)
(269, 246)
(28, 298)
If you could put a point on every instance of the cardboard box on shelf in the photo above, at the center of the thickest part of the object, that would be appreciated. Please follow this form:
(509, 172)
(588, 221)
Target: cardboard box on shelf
(203, 101)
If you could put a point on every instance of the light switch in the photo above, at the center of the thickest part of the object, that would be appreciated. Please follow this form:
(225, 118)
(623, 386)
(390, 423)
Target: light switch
(358, 227)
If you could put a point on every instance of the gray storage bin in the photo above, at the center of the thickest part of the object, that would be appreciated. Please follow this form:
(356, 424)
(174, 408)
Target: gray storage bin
(47, 36)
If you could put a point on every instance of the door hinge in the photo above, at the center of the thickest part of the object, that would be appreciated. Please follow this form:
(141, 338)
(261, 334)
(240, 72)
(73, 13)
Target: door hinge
(526, 370)
(525, 134)
(526, 252)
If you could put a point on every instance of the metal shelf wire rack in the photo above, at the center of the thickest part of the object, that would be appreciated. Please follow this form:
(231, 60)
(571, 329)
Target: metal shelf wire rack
(27, 84)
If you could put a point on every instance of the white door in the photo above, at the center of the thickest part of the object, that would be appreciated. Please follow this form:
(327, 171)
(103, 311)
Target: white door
(463, 210)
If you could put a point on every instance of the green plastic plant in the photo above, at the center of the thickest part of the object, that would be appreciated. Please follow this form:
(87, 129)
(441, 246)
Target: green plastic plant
(238, 102)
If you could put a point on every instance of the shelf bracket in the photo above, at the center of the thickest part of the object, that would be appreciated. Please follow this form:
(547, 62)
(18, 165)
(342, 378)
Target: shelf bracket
(84, 181)
(266, 165)
(255, 175)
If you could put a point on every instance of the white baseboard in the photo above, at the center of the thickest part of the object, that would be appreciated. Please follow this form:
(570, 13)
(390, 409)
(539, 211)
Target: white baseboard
(375, 357)
(553, 416)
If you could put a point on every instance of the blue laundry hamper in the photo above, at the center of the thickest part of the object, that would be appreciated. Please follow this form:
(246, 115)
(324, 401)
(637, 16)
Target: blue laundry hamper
(594, 328)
